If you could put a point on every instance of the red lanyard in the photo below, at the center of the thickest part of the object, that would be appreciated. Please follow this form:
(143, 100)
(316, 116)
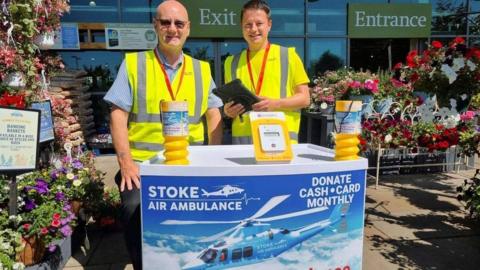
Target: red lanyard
(262, 70)
(167, 80)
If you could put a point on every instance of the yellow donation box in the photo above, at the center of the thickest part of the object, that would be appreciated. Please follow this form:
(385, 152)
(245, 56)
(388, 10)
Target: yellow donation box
(270, 137)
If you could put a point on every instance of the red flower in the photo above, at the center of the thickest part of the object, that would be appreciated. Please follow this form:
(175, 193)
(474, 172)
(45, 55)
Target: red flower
(398, 66)
(414, 77)
(55, 223)
(459, 40)
(43, 231)
(56, 216)
(26, 227)
(437, 44)
(411, 62)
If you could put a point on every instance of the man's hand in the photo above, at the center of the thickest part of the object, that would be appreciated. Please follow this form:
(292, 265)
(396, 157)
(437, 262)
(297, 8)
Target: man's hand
(130, 174)
(266, 105)
(233, 111)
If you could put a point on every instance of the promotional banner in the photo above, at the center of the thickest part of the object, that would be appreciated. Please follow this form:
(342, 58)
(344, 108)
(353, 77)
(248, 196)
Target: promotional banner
(19, 132)
(302, 221)
(130, 36)
(67, 38)
(46, 120)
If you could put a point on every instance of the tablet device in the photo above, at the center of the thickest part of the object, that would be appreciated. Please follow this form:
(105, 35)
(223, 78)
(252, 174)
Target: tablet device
(235, 91)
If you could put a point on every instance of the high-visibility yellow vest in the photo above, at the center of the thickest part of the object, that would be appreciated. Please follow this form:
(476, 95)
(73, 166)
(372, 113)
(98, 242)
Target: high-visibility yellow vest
(149, 88)
(276, 84)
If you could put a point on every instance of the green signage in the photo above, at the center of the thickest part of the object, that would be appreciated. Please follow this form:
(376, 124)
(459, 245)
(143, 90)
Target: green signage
(389, 20)
(214, 18)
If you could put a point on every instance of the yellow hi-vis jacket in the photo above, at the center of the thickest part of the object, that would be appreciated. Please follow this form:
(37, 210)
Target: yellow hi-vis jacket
(149, 88)
(277, 83)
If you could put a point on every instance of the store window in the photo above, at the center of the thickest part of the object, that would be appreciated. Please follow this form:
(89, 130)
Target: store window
(448, 17)
(287, 17)
(297, 43)
(327, 17)
(101, 68)
(93, 11)
(201, 49)
(139, 12)
(325, 54)
(474, 18)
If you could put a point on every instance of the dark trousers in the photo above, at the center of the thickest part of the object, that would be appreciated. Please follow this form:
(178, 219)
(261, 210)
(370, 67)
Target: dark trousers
(131, 222)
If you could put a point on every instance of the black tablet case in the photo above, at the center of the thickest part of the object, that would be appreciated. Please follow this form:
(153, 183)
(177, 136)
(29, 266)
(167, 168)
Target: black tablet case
(235, 91)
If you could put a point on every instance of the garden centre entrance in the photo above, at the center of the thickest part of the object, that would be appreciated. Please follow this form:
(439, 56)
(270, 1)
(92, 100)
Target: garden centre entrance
(377, 54)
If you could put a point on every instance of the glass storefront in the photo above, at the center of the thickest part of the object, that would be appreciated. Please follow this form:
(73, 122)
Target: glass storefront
(318, 29)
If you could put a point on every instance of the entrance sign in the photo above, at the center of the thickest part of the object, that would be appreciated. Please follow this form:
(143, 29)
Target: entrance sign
(214, 18)
(130, 36)
(389, 20)
(19, 137)
(221, 212)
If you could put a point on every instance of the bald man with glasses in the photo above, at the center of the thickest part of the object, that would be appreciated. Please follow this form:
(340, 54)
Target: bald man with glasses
(143, 80)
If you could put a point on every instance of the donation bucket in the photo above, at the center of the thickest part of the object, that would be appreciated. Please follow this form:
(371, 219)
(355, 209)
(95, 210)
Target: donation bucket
(348, 127)
(174, 116)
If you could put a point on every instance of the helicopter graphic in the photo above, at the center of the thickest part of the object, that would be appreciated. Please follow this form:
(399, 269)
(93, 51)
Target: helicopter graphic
(226, 191)
(252, 241)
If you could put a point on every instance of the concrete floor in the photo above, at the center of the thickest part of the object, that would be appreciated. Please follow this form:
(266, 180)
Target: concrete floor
(411, 222)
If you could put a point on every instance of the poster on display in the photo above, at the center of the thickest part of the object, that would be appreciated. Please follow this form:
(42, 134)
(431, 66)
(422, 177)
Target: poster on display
(130, 36)
(308, 221)
(46, 120)
(19, 136)
(67, 38)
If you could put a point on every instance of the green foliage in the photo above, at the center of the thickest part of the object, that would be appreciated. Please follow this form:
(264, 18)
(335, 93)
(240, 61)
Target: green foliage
(469, 193)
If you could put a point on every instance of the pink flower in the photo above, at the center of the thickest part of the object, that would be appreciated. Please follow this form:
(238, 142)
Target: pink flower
(371, 85)
(466, 116)
(55, 223)
(56, 216)
(355, 84)
(43, 231)
(26, 227)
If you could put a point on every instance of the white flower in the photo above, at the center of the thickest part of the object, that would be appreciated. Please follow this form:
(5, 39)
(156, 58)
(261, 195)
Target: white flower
(77, 183)
(70, 176)
(471, 65)
(323, 106)
(388, 138)
(449, 72)
(458, 63)
(18, 266)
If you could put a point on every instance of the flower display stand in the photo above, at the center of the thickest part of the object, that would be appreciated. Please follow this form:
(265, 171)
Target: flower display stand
(406, 161)
(57, 259)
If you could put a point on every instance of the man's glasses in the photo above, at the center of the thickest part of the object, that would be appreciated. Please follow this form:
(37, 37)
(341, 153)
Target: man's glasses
(166, 23)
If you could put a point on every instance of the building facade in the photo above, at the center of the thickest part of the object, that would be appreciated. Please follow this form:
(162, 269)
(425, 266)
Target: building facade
(318, 29)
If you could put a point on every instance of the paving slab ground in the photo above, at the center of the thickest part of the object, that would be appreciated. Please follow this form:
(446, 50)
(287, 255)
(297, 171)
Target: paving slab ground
(411, 222)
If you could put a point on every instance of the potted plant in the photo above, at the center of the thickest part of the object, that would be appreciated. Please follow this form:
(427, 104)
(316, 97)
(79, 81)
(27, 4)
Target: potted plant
(447, 71)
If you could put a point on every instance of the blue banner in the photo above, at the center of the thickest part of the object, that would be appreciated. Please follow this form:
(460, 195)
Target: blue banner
(303, 221)
(46, 120)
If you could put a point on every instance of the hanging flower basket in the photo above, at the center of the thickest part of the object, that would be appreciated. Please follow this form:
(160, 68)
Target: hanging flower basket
(15, 80)
(33, 251)
(45, 40)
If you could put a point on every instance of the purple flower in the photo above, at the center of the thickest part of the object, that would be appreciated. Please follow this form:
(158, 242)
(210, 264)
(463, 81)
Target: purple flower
(59, 196)
(54, 175)
(66, 230)
(77, 164)
(27, 188)
(52, 247)
(41, 186)
(67, 207)
(30, 204)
